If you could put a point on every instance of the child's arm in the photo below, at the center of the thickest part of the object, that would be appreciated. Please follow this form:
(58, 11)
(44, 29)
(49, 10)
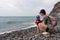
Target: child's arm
(37, 20)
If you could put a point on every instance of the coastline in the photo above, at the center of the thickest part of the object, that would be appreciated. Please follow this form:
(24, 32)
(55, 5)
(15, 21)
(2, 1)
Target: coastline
(28, 34)
(19, 34)
(17, 29)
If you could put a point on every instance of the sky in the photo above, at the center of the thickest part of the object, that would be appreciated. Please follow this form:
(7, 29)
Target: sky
(25, 7)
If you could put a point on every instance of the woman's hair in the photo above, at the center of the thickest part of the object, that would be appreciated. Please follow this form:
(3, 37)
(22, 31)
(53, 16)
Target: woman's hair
(43, 11)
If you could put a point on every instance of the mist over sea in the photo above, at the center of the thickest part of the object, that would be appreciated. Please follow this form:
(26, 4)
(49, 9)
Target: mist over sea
(15, 23)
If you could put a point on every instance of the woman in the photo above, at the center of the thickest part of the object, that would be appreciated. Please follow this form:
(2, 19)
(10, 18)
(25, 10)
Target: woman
(42, 21)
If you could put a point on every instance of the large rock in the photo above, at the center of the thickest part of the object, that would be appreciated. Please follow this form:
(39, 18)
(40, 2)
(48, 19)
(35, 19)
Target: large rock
(56, 10)
(56, 13)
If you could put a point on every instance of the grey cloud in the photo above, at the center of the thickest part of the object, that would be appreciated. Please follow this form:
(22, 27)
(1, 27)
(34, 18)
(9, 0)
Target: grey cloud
(24, 7)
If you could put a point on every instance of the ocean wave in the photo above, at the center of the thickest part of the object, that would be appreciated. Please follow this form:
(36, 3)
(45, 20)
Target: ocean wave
(11, 22)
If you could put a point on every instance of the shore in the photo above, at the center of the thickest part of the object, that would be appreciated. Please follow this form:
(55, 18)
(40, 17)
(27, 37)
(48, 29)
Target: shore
(18, 35)
(28, 34)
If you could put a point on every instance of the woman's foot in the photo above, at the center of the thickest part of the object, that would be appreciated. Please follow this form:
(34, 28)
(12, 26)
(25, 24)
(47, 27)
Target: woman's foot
(45, 33)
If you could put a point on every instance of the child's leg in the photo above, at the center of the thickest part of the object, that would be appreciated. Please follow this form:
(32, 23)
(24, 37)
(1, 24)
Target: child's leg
(38, 30)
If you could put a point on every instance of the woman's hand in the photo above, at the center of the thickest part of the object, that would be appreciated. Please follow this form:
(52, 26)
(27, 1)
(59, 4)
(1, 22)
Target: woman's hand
(43, 22)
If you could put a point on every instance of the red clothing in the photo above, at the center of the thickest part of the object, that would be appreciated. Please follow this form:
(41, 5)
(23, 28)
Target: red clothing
(37, 21)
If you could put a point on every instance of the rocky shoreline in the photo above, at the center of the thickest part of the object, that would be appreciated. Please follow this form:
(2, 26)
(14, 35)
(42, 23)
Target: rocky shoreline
(30, 33)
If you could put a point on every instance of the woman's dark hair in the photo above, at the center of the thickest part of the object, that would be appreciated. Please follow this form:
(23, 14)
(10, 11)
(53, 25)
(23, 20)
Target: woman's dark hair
(43, 11)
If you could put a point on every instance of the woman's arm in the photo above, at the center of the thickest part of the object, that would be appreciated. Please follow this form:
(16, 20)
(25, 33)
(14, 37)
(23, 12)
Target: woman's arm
(45, 20)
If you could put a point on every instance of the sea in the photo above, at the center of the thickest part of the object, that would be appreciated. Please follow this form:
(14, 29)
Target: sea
(13, 23)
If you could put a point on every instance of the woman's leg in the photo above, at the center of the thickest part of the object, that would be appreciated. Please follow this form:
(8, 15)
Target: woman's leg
(42, 26)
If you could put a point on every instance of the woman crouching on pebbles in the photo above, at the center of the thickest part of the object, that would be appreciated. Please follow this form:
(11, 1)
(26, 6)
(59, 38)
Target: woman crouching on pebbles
(43, 22)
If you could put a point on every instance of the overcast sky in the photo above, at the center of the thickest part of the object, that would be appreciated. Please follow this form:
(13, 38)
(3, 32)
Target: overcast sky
(25, 7)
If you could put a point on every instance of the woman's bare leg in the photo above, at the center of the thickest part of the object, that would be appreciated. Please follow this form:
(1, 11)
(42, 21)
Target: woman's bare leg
(42, 26)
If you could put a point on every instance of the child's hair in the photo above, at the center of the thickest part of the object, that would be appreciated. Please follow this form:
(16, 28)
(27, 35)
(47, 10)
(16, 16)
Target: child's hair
(43, 11)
